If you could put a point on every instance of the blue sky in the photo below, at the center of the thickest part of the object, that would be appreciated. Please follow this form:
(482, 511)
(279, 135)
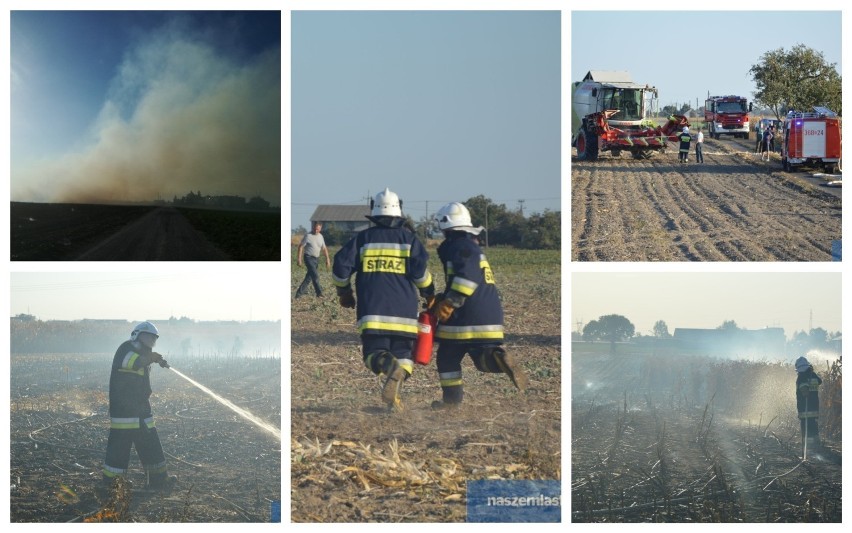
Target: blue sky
(437, 106)
(688, 53)
(128, 105)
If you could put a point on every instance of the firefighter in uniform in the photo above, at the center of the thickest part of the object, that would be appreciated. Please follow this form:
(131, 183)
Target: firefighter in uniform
(807, 402)
(469, 312)
(390, 267)
(685, 138)
(131, 420)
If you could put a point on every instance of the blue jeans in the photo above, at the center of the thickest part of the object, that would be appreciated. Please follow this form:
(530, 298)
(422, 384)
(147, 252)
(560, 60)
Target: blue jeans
(699, 155)
(312, 276)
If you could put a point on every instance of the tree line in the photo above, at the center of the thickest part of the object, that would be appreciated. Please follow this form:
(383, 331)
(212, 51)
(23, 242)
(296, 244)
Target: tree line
(504, 226)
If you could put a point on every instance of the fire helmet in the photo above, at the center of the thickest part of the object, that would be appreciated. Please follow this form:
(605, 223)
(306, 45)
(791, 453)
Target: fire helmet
(455, 216)
(386, 203)
(802, 364)
(144, 327)
(686, 129)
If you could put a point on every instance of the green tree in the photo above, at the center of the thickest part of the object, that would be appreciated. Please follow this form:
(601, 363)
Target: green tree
(611, 328)
(543, 231)
(333, 235)
(729, 325)
(798, 79)
(661, 330)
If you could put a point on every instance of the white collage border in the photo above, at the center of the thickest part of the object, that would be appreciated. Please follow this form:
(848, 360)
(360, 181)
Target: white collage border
(280, 272)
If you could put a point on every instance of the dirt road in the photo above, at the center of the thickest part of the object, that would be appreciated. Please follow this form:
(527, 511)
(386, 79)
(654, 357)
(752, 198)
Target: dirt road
(733, 207)
(161, 235)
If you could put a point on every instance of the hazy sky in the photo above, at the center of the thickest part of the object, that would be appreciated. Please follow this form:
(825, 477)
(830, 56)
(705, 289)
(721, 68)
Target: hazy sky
(129, 105)
(438, 106)
(705, 300)
(685, 54)
(148, 296)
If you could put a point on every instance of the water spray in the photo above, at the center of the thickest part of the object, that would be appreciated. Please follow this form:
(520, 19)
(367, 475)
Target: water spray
(274, 431)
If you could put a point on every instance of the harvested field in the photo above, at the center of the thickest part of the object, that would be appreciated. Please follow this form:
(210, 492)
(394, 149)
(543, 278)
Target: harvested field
(228, 470)
(733, 207)
(354, 462)
(694, 439)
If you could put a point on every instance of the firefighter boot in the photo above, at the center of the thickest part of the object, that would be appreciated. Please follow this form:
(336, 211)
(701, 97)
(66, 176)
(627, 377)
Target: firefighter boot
(511, 368)
(395, 375)
(161, 482)
(453, 396)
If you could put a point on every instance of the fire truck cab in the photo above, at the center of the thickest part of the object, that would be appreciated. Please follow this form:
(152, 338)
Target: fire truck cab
(727, 115)
(811, 139)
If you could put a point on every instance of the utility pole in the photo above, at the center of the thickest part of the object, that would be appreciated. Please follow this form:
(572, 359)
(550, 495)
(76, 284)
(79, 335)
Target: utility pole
(486, 224)
(522, 207)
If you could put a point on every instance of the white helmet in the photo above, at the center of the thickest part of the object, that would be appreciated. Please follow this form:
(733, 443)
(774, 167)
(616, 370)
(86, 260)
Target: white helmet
(455, 216)
(686, 129)
(386, 203)
(802, 364)
(144, 327)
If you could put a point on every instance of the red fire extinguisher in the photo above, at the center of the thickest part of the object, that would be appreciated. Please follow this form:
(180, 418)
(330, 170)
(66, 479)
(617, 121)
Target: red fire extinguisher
(426, 323)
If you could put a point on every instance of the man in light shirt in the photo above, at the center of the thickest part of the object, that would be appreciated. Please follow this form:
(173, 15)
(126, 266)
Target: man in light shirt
(312, 245)
(699, 144)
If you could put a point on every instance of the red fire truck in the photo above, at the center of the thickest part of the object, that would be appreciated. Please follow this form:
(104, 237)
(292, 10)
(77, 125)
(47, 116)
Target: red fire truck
(727, 115)
(811, 139)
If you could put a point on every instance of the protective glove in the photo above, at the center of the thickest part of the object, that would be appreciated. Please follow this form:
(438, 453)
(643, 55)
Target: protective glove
(158, 358)
(430, 302)
(443, 310)
(347, 299)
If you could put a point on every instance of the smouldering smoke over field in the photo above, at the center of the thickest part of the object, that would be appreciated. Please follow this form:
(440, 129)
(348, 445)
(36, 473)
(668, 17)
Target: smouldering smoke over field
(179, 117)
(272, 430)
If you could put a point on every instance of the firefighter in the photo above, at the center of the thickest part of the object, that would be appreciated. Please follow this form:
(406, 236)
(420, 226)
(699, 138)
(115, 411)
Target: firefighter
(685, 138)
(131, 420)
(390, 267)
(807, 402)
(469, 312)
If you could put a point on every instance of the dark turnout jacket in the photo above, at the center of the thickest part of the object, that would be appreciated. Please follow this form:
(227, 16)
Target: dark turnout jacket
(807, 393)
(389, 264)
(130, 386)
(468, 274)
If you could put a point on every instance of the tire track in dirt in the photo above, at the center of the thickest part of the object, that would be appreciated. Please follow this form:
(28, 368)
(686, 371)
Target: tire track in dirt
(728, 209)
(731, 197)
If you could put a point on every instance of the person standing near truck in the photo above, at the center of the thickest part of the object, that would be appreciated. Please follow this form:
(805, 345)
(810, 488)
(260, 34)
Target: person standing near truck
(767, 142)
(699, 144)
(685, 139)
(758, 130)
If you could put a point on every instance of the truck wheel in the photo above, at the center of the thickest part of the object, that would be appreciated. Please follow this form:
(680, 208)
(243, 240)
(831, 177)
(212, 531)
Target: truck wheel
(587, 146)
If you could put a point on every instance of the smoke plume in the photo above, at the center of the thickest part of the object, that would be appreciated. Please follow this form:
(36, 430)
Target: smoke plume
(179, 117)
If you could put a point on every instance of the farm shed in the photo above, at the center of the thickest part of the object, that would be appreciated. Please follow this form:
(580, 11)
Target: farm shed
(346, 218)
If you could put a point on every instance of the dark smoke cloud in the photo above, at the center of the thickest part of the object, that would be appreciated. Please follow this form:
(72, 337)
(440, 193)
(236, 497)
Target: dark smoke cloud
(180, 116)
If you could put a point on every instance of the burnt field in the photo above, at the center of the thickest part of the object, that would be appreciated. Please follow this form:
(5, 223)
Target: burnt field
(352, 461)
(67, 232)
(733, 207)
(673, 438)
(228, 469)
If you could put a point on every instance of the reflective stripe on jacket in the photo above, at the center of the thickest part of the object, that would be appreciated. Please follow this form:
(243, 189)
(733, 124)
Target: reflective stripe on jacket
(389, 264)
(468, 273)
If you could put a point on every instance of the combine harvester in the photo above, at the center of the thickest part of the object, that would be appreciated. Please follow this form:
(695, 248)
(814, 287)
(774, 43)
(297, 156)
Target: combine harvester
(611, 113)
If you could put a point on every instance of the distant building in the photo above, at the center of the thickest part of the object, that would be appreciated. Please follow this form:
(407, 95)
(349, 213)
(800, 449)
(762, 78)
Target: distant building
(346, 218)
(767, 342)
